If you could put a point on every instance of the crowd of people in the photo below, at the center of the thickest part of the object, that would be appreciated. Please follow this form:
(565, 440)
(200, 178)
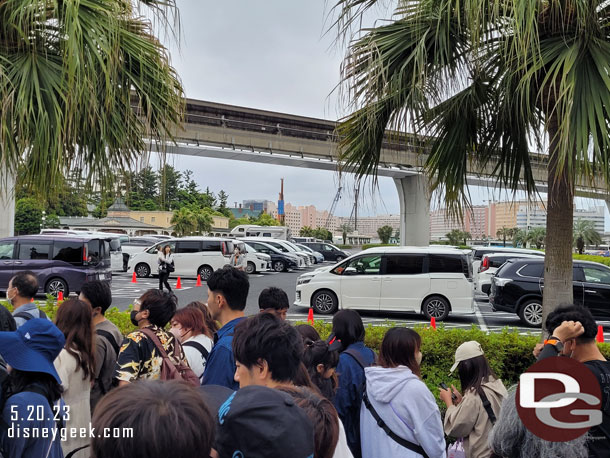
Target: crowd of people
(205, 380)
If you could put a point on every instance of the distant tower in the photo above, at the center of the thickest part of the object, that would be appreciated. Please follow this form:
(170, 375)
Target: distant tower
(280, 205)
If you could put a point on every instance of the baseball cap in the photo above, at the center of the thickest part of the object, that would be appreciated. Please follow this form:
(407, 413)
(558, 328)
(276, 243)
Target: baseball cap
(33, 347)
(467, 350)
(260, 422)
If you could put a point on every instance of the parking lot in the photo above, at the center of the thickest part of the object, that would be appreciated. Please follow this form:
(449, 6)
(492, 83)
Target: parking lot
(124, 292)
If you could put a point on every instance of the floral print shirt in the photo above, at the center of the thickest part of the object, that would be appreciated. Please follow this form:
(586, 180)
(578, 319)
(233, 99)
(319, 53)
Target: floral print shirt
(140, 359)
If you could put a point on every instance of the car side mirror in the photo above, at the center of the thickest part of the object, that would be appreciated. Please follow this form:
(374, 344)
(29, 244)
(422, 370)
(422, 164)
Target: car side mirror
(350, 271)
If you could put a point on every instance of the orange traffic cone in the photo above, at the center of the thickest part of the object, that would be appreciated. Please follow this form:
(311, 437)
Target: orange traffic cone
(600, 334)
(178, 284)
(133, 278)
(310, 316)
(60, 297)
(433, 322)
(198, 280)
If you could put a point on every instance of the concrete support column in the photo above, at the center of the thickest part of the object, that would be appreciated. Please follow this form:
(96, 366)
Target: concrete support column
(414, 197)
(7, 204)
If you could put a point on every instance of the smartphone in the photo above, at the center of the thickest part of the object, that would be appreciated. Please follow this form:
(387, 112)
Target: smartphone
(444, 386)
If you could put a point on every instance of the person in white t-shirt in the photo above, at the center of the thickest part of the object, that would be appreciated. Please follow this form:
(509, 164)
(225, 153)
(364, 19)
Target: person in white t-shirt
(187, 325)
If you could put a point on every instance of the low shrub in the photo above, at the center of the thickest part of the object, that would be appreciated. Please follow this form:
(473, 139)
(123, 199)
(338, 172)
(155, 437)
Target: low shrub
(376, 245)
(345, 247)
(590, 257)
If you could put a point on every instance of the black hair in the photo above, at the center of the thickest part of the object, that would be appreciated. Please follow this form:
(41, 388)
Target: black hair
(273, 298)
(26, 283)
(474, 372)
(307, 331)
(233, 284)
(399, 347)
(98, 293)
(573, 313)
(161, 306)
(348, 327)
(266, 337)
(19, 381)
(319, 352)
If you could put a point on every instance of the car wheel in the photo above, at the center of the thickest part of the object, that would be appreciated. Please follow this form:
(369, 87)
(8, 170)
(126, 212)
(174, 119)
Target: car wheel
(279, 266)
(530, 313)
(437, 307)
(250, 268)
(142, 270)
(339, 258)
(325, 302)
(205, 272)
(55, 285)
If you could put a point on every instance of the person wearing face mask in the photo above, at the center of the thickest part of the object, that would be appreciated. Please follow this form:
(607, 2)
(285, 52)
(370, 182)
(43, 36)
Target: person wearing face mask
(396, 394)
(20, 293)
(187, 325)
(238, 260)
(139, 357)
(108, 337)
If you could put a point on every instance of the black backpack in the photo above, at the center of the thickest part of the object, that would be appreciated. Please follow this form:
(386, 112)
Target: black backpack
(28, 316)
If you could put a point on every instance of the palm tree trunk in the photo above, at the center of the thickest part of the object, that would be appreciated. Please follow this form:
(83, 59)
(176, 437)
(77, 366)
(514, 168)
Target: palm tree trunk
(558, 288)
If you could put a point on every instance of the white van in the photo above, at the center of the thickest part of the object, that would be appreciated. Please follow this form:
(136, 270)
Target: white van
(116, 253)
(252, 230)
(284, 247)
(432, 281)
(255, 261)
(192, 256)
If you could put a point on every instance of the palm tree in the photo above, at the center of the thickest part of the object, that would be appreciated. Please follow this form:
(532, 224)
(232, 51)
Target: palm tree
(585, 234)
(520, 237)
(504, 233)
(484, 80)
(184, 221)
(465, 237)
(81, 85)
(203, 221)
(345, 230)
(537, 236)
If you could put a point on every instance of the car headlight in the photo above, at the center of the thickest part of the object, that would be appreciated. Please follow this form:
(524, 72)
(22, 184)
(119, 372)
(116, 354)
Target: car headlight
(303, 281)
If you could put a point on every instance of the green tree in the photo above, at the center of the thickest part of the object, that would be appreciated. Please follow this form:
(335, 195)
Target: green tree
(485, 80)
(520, 237)
(203, 220)
(222, 199)
(234, 222)
(537, 236)
(306, 231)
(28, 216)
(345, 230)
(170, 183)
(266, 220)
(72, 74)
(51, 222)
(585, 234)
(323, 234)
(184, 222)
(384, 233)
(455, 237)
(504, 233)
(465, 237)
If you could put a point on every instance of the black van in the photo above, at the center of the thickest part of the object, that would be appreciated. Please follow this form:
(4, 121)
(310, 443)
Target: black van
(62, 263)
(328, 250)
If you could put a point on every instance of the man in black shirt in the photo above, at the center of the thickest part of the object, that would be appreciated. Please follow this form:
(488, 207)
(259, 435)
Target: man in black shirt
(573, 330)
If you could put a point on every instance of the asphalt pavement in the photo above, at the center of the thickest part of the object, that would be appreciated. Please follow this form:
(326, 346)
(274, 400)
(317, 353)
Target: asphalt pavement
(124, 292)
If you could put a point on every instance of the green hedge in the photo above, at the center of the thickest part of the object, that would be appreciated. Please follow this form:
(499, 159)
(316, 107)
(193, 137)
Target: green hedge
(345, 247)
(591, 257)
(508, 352)
(375, 245)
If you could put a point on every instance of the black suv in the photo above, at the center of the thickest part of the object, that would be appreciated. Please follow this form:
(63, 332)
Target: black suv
(328, 250)
(517, 287)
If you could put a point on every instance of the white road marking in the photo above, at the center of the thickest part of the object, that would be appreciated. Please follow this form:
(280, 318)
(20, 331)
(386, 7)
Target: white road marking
(480, 318)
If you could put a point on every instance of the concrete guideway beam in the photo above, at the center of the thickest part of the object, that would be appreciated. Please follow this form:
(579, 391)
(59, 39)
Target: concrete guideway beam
(414, 197)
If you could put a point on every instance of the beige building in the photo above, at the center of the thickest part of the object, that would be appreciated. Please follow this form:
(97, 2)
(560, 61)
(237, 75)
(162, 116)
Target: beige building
(368, 225)
(163, 219)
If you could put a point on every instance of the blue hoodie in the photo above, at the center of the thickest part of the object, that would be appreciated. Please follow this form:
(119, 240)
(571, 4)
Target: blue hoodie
(408, 407)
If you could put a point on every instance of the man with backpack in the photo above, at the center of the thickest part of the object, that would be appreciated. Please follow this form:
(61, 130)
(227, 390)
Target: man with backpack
(108, 338)
(22, 289)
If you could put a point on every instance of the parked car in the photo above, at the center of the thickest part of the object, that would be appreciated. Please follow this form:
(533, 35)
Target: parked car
(311, 259)
(518, 285)
(479, 251)
(434, 282)
(134, 246)
(255, 261)
(490, 263)
(281, 245)
(317, 256)
(280, 261)
(61, 262)
(328, 250)
(192, 256)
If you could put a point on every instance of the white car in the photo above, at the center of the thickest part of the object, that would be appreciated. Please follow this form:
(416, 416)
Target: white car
(284, 247)
(256, 262)
(479, 251)
(192, 256)
(433, 281)
(318, 257)
(489, 265)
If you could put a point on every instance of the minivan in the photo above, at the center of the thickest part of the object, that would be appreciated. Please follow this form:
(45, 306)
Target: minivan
(192, 256)
(432, 281)
(328, 250)
(61, 262)
(284, 247)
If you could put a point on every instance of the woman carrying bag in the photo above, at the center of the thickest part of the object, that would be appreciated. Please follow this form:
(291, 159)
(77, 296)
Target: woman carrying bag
(166, 266)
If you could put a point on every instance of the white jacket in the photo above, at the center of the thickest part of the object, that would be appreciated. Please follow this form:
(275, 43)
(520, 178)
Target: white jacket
(406, 405)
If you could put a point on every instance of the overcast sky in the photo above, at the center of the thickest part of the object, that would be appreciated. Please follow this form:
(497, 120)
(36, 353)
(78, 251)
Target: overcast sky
(272, 55)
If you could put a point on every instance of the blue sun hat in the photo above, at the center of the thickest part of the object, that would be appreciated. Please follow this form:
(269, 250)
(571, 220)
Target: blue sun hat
(33, 347)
